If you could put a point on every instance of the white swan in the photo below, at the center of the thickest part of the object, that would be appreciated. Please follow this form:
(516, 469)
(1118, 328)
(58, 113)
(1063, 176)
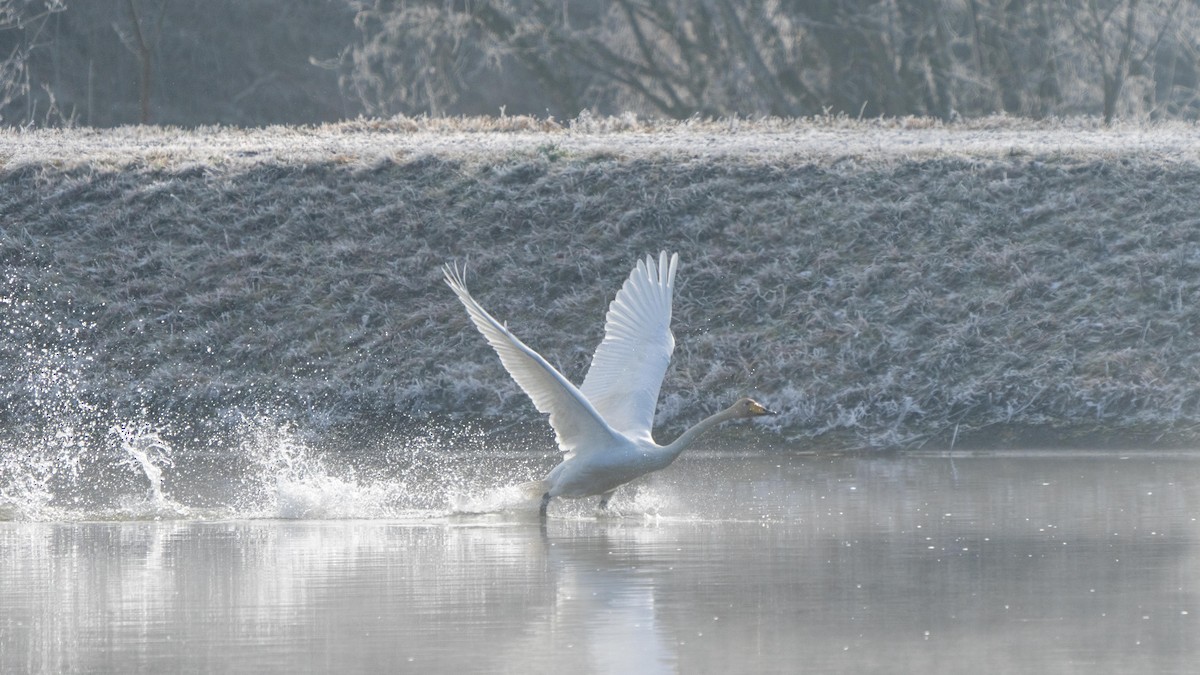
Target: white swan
(604, 425)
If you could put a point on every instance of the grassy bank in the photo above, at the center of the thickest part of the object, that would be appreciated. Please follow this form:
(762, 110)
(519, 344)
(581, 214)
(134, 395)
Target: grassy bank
(883, 284)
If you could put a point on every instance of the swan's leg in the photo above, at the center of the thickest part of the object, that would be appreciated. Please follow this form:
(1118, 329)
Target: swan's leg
(544, 506)
(603, 506)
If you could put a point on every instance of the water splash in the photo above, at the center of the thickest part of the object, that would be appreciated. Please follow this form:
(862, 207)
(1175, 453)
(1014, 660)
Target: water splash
(69, 452)
(636, 502)
(48, 440)
(144, 449)
(25, 493)
(289, 479)
(57, 455)
(430, 472)
(262, 468)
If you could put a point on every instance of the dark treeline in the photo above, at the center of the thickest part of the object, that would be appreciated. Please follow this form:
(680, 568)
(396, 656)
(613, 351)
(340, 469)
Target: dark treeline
(253, 62)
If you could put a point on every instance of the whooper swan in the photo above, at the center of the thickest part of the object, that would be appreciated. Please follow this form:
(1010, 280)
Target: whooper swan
(603, 426)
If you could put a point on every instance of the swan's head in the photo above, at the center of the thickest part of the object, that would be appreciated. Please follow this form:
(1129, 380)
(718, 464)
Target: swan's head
(748, 407)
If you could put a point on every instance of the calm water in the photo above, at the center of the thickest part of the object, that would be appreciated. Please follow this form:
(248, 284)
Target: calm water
(723, 563)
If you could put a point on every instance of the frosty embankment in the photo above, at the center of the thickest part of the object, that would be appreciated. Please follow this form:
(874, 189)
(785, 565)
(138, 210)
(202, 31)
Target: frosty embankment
(882, 284)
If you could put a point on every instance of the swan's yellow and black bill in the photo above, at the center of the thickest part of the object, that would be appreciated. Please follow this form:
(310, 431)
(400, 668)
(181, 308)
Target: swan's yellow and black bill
(759, 409)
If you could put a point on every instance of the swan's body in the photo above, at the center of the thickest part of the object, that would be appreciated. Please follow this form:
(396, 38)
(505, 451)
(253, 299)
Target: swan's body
(604, 425)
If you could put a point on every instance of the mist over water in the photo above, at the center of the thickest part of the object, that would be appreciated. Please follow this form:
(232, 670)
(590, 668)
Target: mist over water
(726, 562)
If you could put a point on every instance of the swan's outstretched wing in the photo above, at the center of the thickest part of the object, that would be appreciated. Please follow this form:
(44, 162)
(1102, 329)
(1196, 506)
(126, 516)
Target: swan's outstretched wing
(577, 425)
(628, 367)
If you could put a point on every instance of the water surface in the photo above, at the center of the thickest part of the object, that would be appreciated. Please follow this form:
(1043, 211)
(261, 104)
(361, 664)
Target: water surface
(725, 562)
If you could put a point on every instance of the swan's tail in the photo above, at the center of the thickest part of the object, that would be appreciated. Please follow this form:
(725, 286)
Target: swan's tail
(534, 489)
(507, 498)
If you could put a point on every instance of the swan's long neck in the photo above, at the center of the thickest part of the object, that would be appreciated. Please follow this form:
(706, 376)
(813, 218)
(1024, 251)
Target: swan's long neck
(688, 437)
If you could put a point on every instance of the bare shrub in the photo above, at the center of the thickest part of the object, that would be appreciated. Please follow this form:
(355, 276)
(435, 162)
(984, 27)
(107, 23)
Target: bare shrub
(22, 33)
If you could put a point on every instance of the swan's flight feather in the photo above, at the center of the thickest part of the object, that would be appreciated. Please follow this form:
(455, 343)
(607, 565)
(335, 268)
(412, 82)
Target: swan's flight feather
(629, 364)
(576, 423)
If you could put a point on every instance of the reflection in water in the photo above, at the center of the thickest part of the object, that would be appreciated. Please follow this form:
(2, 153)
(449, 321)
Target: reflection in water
(604, 613)
(758, 564)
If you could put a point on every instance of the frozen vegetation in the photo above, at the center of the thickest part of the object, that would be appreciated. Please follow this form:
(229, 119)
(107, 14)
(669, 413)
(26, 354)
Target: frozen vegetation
(883, 284)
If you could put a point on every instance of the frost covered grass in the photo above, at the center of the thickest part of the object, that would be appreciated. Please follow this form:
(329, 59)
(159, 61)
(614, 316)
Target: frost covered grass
(882, 283)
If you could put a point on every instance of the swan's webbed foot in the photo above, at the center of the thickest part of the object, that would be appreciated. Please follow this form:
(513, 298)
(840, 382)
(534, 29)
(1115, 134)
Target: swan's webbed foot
(544, 506)
(602, 507)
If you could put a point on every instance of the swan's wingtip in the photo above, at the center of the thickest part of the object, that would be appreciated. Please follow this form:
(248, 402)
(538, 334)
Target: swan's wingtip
(669, 266)
(663, 268)
(454, 275)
